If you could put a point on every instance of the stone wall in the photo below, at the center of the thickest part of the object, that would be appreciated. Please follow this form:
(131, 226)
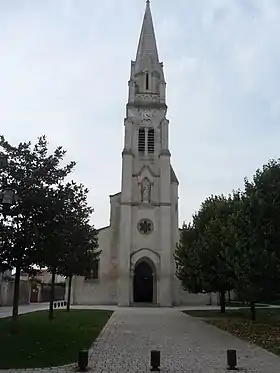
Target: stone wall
(104, 289)
(201, 299)
(7, 292)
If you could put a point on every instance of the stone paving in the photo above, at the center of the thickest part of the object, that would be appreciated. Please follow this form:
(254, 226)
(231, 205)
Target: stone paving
(187, 345)
(7, 311)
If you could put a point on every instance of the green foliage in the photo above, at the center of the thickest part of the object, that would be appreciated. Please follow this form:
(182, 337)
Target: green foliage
(187, 260)
(66, 238)
(205, 248)
(258, 231)
(234, 242)
(48, 225)
(30, 171)
(216, 243)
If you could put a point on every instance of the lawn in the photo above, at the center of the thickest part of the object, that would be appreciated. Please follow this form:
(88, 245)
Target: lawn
(265, 331)
(43, 343)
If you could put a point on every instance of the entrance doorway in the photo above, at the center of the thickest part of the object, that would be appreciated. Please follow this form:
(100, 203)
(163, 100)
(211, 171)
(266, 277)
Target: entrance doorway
(143, 283)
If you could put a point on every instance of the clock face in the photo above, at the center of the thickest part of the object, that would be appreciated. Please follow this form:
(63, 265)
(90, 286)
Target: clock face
(146, 114)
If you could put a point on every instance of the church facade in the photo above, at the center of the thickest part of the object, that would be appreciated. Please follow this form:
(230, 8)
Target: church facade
(136, 265)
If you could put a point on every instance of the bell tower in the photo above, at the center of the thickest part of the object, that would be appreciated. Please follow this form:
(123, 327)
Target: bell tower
(147, 192)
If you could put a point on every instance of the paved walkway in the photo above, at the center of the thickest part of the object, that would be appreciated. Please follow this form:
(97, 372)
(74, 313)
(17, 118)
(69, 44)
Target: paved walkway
(187, 345)
(7, 311)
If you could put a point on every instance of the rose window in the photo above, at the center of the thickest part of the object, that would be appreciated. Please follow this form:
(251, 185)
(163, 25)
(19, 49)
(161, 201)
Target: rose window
(145, 226)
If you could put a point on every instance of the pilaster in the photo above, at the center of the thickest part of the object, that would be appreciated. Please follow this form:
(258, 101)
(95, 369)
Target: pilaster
(124, 257)
(166, 270)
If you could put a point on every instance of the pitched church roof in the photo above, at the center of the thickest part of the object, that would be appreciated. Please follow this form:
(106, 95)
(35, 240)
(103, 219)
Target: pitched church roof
(173, 176)
(147, 46)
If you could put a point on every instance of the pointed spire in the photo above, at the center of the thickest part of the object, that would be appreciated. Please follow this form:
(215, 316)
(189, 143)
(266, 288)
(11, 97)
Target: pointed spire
(147, 46)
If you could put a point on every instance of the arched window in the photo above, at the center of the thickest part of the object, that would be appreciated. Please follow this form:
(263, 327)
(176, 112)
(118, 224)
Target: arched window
(141, 140)
(147, 81)
(151, 140)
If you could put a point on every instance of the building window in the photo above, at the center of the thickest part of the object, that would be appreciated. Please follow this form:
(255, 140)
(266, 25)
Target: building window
(93, 272)
(151, 140)
(141, 140)
(147, 81)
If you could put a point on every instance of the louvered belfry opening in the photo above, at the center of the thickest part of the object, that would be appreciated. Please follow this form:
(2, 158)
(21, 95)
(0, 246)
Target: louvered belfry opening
(151, 140)
(141, 140)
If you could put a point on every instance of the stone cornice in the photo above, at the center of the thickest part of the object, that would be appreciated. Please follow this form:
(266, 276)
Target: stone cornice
(148, 105)
(165, 152)
(127, 152)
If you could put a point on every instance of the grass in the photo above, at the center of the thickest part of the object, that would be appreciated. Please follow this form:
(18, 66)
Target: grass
(265, 331)
(43, 343)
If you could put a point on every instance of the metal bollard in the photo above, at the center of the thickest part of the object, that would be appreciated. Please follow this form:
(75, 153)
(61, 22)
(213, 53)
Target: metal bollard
(83, 360)
(155, 361)
(231, 360)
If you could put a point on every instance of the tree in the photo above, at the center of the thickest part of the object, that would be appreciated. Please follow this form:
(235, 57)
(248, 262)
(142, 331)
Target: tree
(216, 245)
(80, 238)
(80, 254)
(257, 227)
(30, 172)
(188, 266)
(236, 242)
(68, 242)
(205, 249)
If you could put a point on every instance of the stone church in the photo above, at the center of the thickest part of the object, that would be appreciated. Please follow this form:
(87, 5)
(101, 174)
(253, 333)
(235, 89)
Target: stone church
(136, 265)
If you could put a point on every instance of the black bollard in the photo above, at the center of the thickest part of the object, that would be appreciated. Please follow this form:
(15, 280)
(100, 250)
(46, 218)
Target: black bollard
(83, 360)
(231, 360)
(155, 361)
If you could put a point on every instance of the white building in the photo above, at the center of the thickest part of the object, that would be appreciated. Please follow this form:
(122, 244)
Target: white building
(137, 264)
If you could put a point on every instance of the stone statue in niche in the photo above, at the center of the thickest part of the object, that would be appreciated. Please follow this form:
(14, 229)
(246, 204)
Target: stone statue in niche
(145, 190)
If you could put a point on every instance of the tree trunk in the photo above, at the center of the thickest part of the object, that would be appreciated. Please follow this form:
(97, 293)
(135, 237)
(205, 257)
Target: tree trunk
(16, 299)
(51, 315)
(69, 294)
(1, 282)
(223, 301)
(253, 311)
(229, 300)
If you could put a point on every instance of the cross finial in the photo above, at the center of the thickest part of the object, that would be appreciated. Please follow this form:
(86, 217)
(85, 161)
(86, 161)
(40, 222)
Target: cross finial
(148, 1)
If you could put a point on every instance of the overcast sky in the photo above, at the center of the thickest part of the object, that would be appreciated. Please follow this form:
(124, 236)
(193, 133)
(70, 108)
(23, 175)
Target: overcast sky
(64, 67)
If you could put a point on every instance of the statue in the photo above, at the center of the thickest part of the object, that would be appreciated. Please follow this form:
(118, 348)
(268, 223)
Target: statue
(146, 188)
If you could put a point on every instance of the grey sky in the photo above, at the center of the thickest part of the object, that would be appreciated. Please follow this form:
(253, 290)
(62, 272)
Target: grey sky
(64, 67)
